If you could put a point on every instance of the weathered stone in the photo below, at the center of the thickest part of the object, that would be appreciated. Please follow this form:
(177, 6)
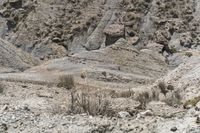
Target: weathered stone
(114, 30)
(3, 127)
(56, 39)
(155, 47)
(174, 129)
(133, 40)
(16, 3)
(198, 120)
(124, 114)
(147, 113)
(113, 33)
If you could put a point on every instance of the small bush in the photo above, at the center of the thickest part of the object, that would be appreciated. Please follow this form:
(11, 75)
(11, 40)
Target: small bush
(170, 87)
(174, 99)
(83, 74)
(192, 101)
(155, 95)
(66, 81)
(188, 54)
(123, 94)
(1, 88)
(163, 88)
(173, 49)
(92, 104)
(143, 98)
(57, 109)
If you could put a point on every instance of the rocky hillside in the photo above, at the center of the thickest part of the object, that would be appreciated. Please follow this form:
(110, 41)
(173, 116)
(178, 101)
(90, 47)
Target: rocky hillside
(100, 66)
(51, 29)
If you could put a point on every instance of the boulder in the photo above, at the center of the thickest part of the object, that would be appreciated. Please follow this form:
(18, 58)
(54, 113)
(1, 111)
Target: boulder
(174, 129)
(147, 113)
(197, 106)
(133, 40)
(113, 33)
(124, 114)
(155, 47)
(16, 3)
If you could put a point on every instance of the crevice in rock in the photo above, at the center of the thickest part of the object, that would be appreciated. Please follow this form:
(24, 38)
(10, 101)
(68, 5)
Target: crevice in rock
(16, 4)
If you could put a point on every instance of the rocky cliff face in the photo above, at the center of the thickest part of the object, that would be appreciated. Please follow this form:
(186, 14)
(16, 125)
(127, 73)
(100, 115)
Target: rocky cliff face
(51, 29)
(46, 28)
(13, 58)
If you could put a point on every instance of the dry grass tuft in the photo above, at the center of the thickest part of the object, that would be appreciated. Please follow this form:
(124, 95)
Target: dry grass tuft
(66, 81)
(122, 94)
(188, 54)
(173, 49)
(192, 101)
(90, 103)
(143, 98)
(1, 88)
(155, 95)
(174, 99)
(58, 109)
(170, 87)
(163, 88)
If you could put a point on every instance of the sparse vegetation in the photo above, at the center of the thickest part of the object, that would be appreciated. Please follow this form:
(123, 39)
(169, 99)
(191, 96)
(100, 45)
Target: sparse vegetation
(83, 74)
(122, 94)
(170, 87)
(188, 54)
(173, 49)
(155, 95)
(90, 103)
(163, 88)
(192, 101)
(66, 81)
(58, 109)
(143, 98)
(173, 99)
(1, 88)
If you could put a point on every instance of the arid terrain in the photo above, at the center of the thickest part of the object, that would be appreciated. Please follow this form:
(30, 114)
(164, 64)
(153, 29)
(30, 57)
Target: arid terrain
(99, 66)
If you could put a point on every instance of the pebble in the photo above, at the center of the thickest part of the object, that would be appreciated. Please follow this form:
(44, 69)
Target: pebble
(3, 127)
(15, 126)
(174, 129)
(198, 120)
(124, 114)
(147, 113)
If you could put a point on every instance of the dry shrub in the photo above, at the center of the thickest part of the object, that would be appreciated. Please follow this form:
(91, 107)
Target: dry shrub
(122, 94)
(173, 49)
(1, 88)
(188, 54)
(66, 81)
(83, 74)
(192, 101)
(90, 103)
(155, 95)
(163, 88)
(143, 98)
(174, 99)
(58, 109)
(170, 87)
